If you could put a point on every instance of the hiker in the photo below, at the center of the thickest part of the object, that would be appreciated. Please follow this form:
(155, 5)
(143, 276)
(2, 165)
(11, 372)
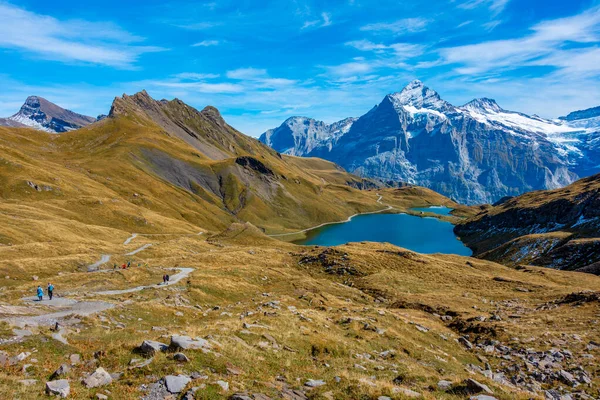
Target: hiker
(164, 279)
(128, 264)
(124, 266)
(40, 293)
(50, 290)
(167, 275)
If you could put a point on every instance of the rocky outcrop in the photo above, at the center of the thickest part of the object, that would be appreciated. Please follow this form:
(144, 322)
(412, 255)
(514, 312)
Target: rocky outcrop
(557, 229)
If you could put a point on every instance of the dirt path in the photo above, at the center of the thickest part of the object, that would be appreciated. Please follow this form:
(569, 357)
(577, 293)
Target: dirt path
(65, 307)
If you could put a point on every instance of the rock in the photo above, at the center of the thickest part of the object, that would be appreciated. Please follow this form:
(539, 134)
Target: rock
(474, 387)
(292, 394)
(465, 342)
(567, 378)
(58, 388)
(176, 384)
(444, 385)
(224, 385)
(312, 383)
(151, 347)
(75, 359)
(62, 370)
(384, 398)
(180, 357)
(407, 392)
(99, 378)
(28, 382)
(482, 397)
(138, 363)
(101, 396)
(186, 342)
(240, 396)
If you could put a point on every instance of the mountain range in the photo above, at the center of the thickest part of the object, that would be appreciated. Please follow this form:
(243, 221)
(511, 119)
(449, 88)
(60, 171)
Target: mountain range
(475, 153)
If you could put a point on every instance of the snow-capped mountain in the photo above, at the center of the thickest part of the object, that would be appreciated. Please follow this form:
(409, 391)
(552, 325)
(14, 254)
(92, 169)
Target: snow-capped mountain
(39, 113)
(474, 153)
(301, 135)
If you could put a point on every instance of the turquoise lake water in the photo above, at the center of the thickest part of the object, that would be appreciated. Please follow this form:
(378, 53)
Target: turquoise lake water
(422, 234)
(441, 210)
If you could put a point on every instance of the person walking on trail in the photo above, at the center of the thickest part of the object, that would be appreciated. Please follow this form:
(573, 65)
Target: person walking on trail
(167, 278)
(164, 279)
(40, 293)
(50, 290)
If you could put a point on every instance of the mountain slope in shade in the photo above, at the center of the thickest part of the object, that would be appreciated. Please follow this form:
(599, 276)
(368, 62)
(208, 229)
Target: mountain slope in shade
(476, 153)
(558, 228)
(39, 113)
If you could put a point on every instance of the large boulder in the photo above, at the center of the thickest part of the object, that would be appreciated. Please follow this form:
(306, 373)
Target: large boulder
(187, 343)
(151, 347)
(99, 378)
(60, 388)
(176, 383)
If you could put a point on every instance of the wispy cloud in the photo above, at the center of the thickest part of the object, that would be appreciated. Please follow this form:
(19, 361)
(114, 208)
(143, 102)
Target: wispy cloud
(197, 26)
(207, 43)
(319, 23)
(550, 44)
(247, 73)
(69, 40)
(402, 26)
(193, 76)
(495, 6)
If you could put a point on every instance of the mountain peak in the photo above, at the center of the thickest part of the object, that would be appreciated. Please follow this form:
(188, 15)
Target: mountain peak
(483, 104)
(41, 114)
(419, 96)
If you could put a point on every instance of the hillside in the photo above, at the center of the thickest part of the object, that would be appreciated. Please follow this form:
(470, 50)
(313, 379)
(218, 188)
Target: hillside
(173, 190)
(558, 229)
(475, 153)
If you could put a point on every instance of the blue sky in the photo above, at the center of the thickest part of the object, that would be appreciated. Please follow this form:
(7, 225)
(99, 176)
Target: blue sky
(260, 62)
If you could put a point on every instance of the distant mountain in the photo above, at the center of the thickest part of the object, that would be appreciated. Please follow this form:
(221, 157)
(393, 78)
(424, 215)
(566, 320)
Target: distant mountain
(475, 153)
(301, 135)
(39, 113)
(558, 229)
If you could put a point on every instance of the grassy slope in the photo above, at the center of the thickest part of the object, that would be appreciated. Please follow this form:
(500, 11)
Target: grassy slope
(331, 328)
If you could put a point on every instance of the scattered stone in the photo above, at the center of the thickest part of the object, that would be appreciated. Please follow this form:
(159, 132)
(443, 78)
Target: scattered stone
(384, 398)
(240, 396)
(28, 382)
(99, 378)
(292, 394)
(176, 383)
(151, 347)
(75, 359)
(465, 342)
(482, 397)
(101, 396)
(407, 392)
(224, 385)
(180, 357)
(186, 342)
(62, 370)
(474, 387)
(444, 385)
(312, 383)
(58, 388)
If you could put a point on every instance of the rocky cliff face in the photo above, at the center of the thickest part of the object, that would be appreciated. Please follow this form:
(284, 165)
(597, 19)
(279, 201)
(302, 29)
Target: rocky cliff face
(558, 229)
(476, 153)
(39, 113)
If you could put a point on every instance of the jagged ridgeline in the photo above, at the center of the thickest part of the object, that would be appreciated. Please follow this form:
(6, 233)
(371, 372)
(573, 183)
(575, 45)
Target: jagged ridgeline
(475, 153)
(163, 164)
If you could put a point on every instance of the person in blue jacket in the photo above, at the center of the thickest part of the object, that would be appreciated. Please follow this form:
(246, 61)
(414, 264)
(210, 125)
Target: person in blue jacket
(50, 290)
(40, 293)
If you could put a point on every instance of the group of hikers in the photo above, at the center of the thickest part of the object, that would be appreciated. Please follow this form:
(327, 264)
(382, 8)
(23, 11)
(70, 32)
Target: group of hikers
(166, 278)
(40, 292)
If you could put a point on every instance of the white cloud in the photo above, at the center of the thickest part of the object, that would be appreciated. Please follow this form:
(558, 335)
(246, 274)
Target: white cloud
(400, 49)
(350, 69)
(69, 40)
(402, 26)
(194, 76)
(495, 6)
(547, 44)
(206, 43)
(319, 23)
(247, 73)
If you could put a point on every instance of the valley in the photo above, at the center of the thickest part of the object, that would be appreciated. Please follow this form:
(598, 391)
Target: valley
(250, 314)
